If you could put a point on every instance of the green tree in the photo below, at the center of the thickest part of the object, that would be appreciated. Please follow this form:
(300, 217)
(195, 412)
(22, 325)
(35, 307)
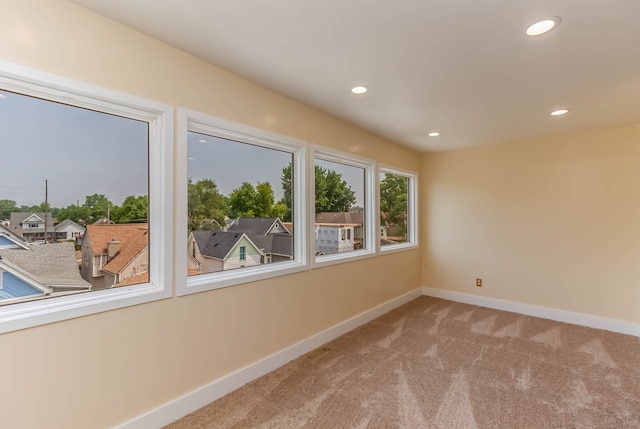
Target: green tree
(280, 211)
(133, 210)
(78, 214)
(204, 205)
(98, 206)
(30, 209)
(242, 201)
(6, 208)
(287, 185)
(259, 201)
(333, 193)
(44, 207)
(264, 200)
(393, 201)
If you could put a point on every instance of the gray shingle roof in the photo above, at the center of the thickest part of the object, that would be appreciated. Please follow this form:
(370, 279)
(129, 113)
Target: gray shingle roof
(52, 265)
(282, 244)
(216, 244)
(68, 222)
(252, 225)
(18, 217)
(12, 236)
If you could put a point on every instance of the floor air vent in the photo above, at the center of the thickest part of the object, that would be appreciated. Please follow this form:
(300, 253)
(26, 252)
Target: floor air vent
(315, 354)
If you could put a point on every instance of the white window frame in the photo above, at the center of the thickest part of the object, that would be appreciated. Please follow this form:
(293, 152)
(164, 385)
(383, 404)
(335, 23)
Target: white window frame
(47, 86)
(370, 204)
(412, 209)
(189, 120)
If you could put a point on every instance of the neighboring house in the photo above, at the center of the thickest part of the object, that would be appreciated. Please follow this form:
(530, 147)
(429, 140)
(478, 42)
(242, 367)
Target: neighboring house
(69, 230)
(334, 237)
(257, 225)
(383, 232)
(9, 239)
(223, 250)
(31, 226)
(113, 254)
(345, 218)
(245, 242)
(269, 234)
(32, 272)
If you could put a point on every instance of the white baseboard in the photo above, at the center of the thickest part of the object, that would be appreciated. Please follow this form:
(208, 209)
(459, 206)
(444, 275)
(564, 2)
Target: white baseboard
(537, 311)
(198, 398)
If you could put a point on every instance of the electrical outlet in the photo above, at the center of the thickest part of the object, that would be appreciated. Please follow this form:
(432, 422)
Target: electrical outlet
(479, 282)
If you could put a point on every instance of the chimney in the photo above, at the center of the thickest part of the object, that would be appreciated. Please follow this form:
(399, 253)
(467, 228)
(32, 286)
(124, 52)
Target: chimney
(113, 247)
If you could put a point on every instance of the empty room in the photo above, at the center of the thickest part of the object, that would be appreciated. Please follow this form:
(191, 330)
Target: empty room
(295, 214)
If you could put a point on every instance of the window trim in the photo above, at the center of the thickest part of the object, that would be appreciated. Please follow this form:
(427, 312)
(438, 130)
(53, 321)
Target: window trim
(189, 120)
(412, 209)
(370, 203)
(52, 87)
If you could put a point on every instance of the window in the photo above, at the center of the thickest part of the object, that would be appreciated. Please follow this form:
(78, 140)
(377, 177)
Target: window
(244, 190)
(343, 202)
(120, 148)
(397, 209)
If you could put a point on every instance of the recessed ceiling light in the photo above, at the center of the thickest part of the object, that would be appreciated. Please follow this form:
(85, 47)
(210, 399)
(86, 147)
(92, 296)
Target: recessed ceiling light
(202, 141)
(359, 90)
(559, 112)
(3, 96)
(434, 134)
(543, 26)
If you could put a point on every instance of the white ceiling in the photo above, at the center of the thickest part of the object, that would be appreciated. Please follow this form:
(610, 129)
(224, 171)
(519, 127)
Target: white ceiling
(461, 67)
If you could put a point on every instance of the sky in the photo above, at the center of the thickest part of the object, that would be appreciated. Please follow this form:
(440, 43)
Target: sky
(229, 163)
(80, 152)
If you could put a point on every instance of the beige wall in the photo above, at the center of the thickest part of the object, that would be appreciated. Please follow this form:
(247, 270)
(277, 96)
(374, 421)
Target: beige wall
(104, 369)
(552, 222)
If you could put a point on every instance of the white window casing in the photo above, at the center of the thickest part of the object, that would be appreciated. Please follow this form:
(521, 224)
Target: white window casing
(412, 210)
(159, 117)
(370, 205)
(191, 121)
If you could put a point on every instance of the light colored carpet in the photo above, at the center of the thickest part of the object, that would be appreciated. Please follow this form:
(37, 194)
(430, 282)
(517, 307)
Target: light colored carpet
(438, 364)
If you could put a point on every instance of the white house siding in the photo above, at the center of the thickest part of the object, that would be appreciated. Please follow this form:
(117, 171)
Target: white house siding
(90, 265)
(207, 264)
(192, 248)
(329, 239)
(210, 265)
(106, 281)
(69, 233)
(138, 265)
(192, 263)
(252, 256)
(277, 227)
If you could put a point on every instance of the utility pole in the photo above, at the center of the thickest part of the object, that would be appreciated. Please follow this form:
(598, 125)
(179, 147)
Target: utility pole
(46, 208)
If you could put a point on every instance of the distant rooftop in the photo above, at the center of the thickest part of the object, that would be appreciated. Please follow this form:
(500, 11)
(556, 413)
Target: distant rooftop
(133, 239)
(52, 265)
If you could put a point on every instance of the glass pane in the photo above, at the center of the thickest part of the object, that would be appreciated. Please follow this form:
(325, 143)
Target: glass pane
(74, 199)
(339, 207)
(238, 205)
(394, 208)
